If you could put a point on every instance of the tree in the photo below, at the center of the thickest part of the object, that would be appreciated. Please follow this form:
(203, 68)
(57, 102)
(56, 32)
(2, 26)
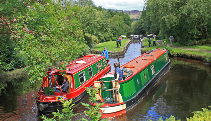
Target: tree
(46, 35)
(95, 23)
(187, 21)
(8, 55)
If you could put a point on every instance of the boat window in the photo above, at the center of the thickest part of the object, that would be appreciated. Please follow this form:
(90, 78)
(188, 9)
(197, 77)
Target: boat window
(152, 69)
(82, 77)
(90, 72)
(138, 81)
(59, 79)
(145, 76)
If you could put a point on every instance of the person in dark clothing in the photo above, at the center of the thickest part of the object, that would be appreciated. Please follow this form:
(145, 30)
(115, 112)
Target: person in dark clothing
(149, 41)
(65, 85)
(120, 39)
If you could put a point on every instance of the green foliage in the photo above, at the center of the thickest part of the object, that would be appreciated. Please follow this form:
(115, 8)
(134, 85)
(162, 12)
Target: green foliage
(102, 23)
(9, 60)
(95, 23)
(8, 55)
(204, 115)
(93, 111)
(171, 118)
(45, 38)
(66, 115)
(137, 27)
(48, 90)
(187, 21)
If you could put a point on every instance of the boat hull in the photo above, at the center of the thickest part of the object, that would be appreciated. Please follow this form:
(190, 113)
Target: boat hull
(113, 111)
(49, 107)
(134, 101)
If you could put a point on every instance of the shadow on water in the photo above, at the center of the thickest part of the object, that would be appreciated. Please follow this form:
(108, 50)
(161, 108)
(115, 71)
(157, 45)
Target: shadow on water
(184, 89)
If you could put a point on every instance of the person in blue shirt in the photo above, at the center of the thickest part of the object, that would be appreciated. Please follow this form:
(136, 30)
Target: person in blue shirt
(105, 53)
(118, 75)
(118, 72)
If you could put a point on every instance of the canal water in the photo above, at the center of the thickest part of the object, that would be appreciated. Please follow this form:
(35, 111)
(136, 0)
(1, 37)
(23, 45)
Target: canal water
(184, 89)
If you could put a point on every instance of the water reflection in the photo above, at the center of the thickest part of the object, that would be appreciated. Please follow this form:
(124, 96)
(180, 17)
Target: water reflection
(184, 89)
(15, 103)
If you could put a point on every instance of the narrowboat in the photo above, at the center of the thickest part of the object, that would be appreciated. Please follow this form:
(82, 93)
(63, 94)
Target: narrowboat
(139, 76)
(80, 73)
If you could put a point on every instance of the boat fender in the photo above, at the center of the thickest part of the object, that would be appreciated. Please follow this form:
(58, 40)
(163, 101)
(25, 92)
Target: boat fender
(129, 66)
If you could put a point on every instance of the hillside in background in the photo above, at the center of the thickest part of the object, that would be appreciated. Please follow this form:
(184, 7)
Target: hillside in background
(134, 14)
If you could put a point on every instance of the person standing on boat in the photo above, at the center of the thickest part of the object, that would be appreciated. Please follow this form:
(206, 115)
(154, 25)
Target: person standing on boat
(65, 85)
(118, 75)
(118, 72)
(105, 53)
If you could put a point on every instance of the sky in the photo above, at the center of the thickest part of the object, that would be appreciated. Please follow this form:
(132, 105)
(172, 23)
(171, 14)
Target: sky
(120, 4)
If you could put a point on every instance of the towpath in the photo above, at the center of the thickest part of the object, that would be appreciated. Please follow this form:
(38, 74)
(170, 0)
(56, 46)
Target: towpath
(159, 42)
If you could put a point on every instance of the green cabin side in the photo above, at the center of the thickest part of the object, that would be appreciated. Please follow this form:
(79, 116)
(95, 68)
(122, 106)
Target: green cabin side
(140, 80)
(133, 86)
(87, 73)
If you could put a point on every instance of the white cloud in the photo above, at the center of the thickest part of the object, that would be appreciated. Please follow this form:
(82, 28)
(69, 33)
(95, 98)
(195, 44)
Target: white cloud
(120, 4)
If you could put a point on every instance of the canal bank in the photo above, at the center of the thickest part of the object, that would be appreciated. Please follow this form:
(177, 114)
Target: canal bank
(184, 52)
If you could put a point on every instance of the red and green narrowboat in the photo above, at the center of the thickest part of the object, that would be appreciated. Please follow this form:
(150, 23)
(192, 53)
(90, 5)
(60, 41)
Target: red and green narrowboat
(80, 73)
(139, 75)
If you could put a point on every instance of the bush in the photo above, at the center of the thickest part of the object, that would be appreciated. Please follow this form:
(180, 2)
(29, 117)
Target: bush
(204, 115)
(66, 115)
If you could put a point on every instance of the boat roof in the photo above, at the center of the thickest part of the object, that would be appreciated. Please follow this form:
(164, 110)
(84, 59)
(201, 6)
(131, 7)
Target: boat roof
(141, 62)
(79, 64)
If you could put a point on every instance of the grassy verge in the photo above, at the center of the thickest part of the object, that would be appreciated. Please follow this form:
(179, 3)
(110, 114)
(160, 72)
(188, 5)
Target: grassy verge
(190, 54)
(182, 52)
(110, 45)
(201, 47)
